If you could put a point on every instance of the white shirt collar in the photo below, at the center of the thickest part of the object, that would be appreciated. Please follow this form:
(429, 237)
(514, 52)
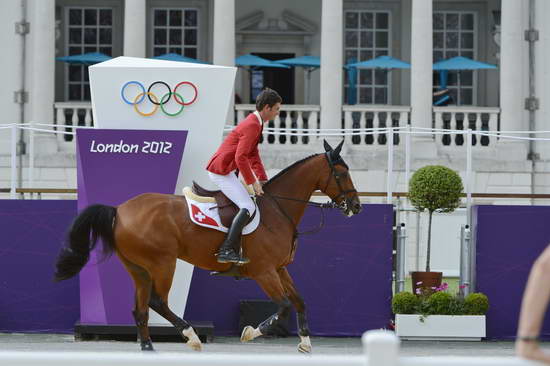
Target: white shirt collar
(257, 114)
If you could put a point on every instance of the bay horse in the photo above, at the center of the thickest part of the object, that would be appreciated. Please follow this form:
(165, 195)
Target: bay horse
(151, 231)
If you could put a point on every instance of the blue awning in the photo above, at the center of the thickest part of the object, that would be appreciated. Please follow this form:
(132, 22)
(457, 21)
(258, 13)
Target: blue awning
(179, 58)
(85, 58)
(381, 62)
(304, 61)
(462, 63)
(256, 61)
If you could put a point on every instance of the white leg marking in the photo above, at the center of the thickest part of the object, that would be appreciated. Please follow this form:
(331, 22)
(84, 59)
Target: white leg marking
(250, 333)
(305, 345)
(193, 340)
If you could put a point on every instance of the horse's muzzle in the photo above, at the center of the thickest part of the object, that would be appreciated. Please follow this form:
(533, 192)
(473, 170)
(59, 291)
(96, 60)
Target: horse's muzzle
(352, 207)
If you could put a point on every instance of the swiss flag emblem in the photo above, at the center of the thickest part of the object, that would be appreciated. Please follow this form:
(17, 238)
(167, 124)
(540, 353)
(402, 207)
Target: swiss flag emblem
(201, 218)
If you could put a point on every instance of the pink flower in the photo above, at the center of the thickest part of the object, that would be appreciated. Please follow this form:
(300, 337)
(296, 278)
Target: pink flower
(418, 291)
(419, 283)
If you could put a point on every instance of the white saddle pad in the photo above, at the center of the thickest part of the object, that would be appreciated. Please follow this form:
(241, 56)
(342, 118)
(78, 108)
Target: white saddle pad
(203, 211)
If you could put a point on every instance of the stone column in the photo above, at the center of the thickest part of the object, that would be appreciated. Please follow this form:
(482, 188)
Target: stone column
(40, 71)
(542, 84)
(224, 42)
(514, 78)
(134, 28)
(331, 63)
(421, 63)
(10, 74)
(513, 65)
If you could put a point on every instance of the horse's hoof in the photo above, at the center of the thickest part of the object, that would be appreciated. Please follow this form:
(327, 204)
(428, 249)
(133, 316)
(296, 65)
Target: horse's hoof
(247, 334)
(147, 346)
(195, 346)
(304, 348)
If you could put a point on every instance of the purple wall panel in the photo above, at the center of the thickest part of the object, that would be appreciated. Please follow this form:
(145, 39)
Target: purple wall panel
(508, 240)
(32, 234)
(343, 273)
(106, 289)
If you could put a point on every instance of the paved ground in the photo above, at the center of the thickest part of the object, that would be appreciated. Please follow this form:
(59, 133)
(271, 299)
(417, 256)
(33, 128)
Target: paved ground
(56, 342)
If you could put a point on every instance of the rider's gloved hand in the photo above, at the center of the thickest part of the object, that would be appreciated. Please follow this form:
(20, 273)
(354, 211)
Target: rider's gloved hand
(258, 188)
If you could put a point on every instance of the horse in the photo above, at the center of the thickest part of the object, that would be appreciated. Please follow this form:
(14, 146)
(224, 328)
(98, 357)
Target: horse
(151, 231)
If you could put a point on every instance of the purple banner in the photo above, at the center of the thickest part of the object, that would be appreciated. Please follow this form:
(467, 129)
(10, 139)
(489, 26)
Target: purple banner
(508, 240)
(32, 234)
(114, 166)
(344, 274)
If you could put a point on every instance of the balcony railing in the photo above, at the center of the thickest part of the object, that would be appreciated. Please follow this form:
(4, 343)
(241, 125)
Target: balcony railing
(463, 118)
(375, 116)
(291, 116)
(70, 114)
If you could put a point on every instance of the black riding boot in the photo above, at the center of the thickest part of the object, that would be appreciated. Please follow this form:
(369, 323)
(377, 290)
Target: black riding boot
(231, 247)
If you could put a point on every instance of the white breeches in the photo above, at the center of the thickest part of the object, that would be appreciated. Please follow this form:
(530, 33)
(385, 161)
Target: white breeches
(234, 189)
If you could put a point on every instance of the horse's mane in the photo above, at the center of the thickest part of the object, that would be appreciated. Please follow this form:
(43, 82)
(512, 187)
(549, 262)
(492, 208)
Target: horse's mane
(288, 168)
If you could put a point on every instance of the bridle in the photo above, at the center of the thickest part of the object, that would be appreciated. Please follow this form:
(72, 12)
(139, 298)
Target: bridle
(343, 206)
(337, 177)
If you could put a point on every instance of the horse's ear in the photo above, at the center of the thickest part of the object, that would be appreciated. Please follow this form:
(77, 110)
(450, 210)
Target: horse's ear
(327, 146)
(338, 149)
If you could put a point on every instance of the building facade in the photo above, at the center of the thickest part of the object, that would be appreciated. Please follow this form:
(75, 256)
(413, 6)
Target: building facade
(39, 89)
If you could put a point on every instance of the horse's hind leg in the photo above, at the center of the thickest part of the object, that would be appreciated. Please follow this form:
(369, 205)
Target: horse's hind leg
(300, 306)
(143, 284)
(272, 286)
(162, 281)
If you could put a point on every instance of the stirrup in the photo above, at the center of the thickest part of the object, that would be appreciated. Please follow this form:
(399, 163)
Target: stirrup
(235, 258)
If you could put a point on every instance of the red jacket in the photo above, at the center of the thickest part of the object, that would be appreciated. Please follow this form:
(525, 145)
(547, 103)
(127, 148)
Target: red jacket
(239, 151)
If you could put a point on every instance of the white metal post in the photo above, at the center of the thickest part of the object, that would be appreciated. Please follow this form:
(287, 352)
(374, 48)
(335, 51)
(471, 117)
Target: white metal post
(468, 177)
(408, 155)
(381, 347)
(389, 141)
(31, 157)
(13, 182)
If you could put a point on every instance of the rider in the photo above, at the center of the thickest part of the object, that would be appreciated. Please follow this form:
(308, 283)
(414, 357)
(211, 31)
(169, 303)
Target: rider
(239, 153)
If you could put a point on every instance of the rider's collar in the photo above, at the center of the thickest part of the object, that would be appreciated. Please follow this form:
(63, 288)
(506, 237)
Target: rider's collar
(257, 114)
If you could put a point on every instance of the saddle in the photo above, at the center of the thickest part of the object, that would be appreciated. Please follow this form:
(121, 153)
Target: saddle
(226, 208)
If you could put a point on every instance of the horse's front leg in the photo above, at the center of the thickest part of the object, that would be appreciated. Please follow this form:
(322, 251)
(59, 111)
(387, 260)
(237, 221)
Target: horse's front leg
(272, 286)
(300, 306)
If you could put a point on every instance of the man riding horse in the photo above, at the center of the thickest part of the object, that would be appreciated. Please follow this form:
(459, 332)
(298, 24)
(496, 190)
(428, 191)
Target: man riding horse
(239, 153)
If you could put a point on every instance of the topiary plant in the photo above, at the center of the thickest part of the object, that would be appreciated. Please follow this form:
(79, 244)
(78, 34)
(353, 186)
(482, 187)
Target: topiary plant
(434, 188)
(404, 303)
(439, 303)
(476, 304)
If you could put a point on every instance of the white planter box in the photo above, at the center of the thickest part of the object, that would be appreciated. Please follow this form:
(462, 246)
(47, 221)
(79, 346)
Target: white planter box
(440, 327)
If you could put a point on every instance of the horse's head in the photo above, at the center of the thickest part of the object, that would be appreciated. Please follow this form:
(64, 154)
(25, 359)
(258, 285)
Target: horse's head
(338, 184)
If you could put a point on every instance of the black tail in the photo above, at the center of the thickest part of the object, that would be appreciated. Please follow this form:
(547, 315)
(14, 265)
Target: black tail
(96, 221)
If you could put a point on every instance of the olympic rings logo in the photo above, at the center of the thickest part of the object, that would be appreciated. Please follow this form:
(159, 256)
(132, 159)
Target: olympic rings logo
(154, 99)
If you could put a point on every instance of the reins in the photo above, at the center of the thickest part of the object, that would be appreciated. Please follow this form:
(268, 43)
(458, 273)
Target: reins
(322, 206)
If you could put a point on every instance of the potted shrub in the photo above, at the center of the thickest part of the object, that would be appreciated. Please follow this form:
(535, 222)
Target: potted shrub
(433, 188)
(436, 314)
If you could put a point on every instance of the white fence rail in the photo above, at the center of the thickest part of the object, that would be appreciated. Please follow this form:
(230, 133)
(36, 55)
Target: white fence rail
(381, 349)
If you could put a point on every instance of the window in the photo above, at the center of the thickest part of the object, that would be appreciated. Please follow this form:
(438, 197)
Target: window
(175, 31)
(367, 35)
(87, 30)
(454, 34)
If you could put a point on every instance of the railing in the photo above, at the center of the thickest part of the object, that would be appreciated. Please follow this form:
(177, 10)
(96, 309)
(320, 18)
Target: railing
(69, 114)
(463, 118)
(291, 116)
(375, 116)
